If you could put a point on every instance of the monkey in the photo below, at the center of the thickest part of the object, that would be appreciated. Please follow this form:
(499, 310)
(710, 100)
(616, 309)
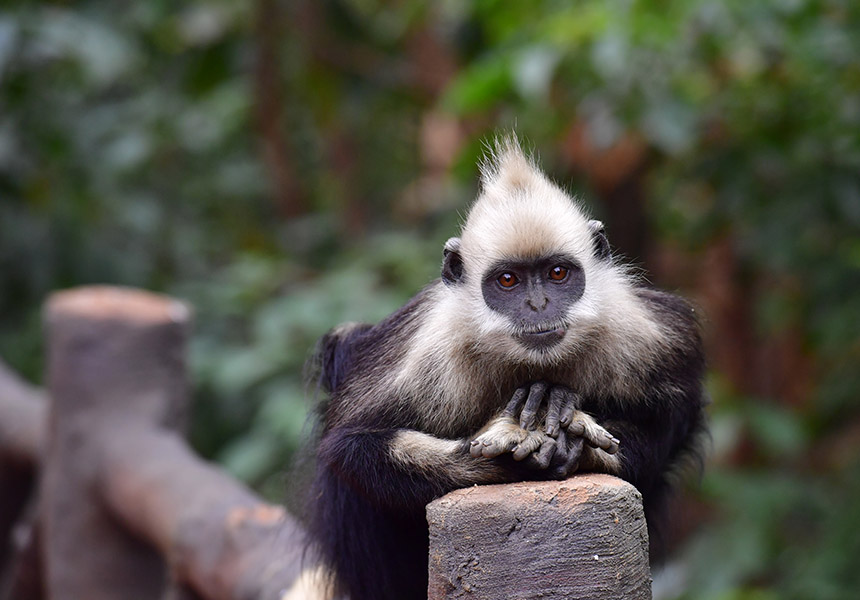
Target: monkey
(536, 355)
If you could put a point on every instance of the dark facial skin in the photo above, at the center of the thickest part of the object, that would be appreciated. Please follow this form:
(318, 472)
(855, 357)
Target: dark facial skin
(535, 294)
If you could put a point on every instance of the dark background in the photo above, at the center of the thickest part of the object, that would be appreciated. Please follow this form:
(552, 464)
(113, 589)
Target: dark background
(286, 166)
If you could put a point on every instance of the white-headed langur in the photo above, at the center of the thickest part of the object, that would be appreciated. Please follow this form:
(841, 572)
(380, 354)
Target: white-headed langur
(537, 355)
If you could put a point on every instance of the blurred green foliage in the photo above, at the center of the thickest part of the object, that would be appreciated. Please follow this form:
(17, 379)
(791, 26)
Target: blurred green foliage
(136, 149)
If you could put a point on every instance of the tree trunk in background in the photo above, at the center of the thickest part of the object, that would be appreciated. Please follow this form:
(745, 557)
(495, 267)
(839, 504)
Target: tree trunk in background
(616, 174)
(269, 110)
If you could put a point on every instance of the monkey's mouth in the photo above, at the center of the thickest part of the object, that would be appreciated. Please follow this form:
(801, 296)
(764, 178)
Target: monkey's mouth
(543, 339)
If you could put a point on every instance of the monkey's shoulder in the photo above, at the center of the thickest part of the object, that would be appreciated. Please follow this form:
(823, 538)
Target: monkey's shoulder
(361, 350)
(676, 365)
(667, 305)
(674, 313)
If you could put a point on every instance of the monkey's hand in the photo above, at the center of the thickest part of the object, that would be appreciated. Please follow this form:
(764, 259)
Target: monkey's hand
(517, 434)
(504, 434)
(508, 433)
(557, 446)
(563, 414)
(535, 450)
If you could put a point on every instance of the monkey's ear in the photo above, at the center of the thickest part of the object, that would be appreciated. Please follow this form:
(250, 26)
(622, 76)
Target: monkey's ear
(599, 241)
(452, 263)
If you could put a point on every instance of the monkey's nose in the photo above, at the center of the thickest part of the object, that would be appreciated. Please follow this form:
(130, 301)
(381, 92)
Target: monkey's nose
(537, 302)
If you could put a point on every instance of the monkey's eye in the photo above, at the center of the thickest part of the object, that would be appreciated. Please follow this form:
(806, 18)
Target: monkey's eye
(558, 273)
(508, 280)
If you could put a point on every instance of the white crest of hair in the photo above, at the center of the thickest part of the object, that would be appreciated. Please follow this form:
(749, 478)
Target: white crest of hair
(521, 214)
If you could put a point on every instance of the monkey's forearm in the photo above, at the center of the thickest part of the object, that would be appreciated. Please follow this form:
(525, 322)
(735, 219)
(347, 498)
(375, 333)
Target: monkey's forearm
(404, 467)
(444, 460)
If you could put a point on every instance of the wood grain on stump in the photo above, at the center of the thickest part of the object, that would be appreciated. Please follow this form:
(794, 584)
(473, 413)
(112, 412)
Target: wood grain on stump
(581, 538)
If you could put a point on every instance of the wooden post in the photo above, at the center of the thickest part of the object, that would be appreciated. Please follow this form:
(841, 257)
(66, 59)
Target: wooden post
(120, 483)
(116, 360)
(23, 419)
(583, 538)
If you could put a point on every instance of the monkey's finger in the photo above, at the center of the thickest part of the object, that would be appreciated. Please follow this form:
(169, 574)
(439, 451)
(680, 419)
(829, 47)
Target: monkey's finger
(476, 449)
(605, 441)
(543, 457)
(557, 397)
(566, 415)
(576, 429)
(595, 435)
(536, 395)
(492, 449)
(571, 459)
(547, 451)
(516, 404)
(527, 445)
(561, 449)
(614, 446)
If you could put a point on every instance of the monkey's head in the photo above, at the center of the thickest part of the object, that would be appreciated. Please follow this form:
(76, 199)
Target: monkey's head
(530, 271)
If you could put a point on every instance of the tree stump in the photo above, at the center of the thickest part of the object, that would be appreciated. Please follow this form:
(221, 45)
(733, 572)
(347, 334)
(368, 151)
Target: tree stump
(583, 538)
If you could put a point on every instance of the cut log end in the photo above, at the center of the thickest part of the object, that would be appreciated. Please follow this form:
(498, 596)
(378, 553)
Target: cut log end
(114, 303)
(585, 537)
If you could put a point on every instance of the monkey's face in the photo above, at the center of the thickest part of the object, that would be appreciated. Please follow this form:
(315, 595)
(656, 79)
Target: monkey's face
(530, 273)
(535, 296)
(532, 307)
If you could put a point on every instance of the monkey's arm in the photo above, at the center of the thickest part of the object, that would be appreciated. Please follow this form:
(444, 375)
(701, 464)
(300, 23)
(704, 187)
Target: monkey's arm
(665, 425)
(638, 439)
(398, 467)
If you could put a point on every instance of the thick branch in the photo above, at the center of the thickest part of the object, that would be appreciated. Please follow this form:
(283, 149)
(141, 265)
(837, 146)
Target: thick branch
(23, 415)
(219, 536)
(23, 420)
